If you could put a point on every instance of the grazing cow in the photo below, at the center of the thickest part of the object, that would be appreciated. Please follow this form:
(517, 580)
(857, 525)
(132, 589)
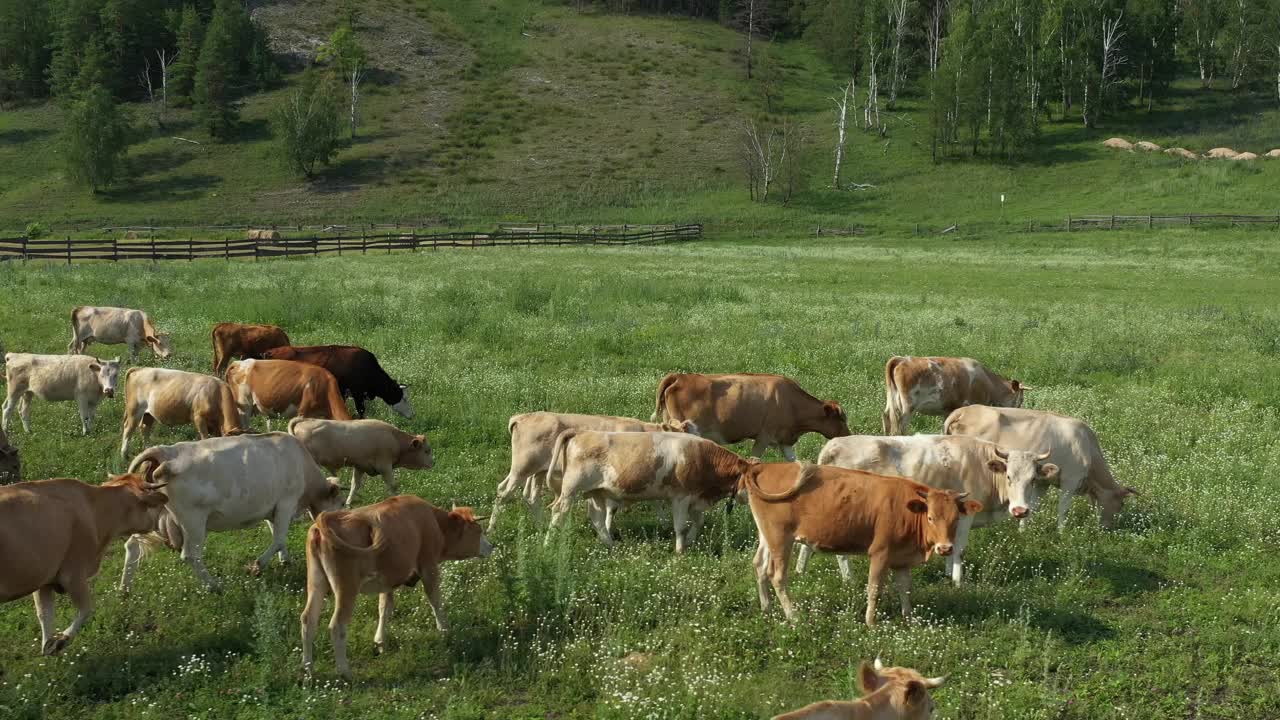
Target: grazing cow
(357, 370)
(233, 341)
(624, 467)
(53, 534)
(229, 483)
(1074, 449)
(772, 410)
(533, 437)
(371, 447)
(1002, 480)
(284, 388)
(10, 464)
(938, 385)
(114, 326)
(57, 378)
(374, 550)
(898, 523)
(175, 397)
(895, 693)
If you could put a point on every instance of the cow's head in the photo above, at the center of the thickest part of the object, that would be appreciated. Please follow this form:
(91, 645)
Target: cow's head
(138, 514)
(402, 405)
(942, 510)
(464, 536)
(680, 426)
(834, 422)
(416, 454)
(160, 344)
(1014, 398)
(1025, 472)
(1110, 502)
(107, 372)
(908, 689)
(331, 498)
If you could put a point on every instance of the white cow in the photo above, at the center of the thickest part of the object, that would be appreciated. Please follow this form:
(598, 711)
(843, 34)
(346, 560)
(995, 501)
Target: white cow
(371, 447)
(230, 483)
(58, 378)
(1004, 481)
(115, 326)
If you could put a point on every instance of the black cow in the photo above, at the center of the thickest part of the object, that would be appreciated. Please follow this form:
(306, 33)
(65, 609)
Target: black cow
(357, 370)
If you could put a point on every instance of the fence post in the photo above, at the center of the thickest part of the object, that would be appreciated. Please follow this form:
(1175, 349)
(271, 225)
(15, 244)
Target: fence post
(226, 248)
(340, 243)
(24, 248)
(1068, 222)
(414, 235)
(190, 250)
(68, 249)
(364, 243)
(1113, 222)
(255, 251)
(115, 249)
(153, 248)
(315, 247)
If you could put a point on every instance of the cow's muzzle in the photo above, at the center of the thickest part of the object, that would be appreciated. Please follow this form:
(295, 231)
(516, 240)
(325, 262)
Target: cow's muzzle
(942, 549)
(1019, 512)
(109, 392)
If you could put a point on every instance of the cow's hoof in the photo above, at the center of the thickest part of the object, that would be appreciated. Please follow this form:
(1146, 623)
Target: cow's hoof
(379, 648)
(254, 569)
(56, 644)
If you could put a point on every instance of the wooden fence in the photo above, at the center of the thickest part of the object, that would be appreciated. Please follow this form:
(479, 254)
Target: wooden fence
(154, 249)
(1111, 222)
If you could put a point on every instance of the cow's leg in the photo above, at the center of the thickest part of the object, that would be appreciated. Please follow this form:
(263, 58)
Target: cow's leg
(82, 597)
(386, 605)
(759, 447)
(357, 479)
(12, 398)
(875, 578)
(359, 400)
(279, 526)
(132, 419)
(759, 562)
(955, 561)
(1069, 490)
(902, 581)
(344, 606)
(389, 479)
(24, 410)
(193, 534)
(506, 491)
(779, 565)
(431, 585)
(533, 495)
(802, 557)
(317, 589)
(133, 548)
(598, 514)
(788, 452)
(87, 411)
(44, 600)
(679, 519)
(697, 516)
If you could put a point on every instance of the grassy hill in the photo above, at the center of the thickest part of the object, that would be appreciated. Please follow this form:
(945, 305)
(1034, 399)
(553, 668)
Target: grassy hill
(479, 111)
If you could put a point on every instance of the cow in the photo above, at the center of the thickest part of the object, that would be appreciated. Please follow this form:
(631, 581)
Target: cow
(175, 397)
(895, 693)
(10, 463)
(533, 437)
(357, 370)
(1074, 449)
(53, 534)
(284, 388)
(374, 550)
(898, 523)
(1003, 480)
(57, 378)
(371, 447)
(624, 467)
(233, 341)
(115, 326)
(771, 410)
(229, 483)
(938, 385)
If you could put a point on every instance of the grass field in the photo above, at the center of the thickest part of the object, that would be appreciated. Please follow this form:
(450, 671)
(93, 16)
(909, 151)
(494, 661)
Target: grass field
(1168, 344)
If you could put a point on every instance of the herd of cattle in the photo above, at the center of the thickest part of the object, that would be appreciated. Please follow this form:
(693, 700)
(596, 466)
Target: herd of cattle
(897, 499)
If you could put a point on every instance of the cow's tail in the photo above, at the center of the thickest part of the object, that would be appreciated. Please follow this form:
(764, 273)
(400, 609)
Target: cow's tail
(660, 401)
(337, 404)
(294, 423)
(336, 540)
(511, 424)
(558, 452)
(752, 481)
(73, 347)
(217, 347)
(953, 425)
(892, 397)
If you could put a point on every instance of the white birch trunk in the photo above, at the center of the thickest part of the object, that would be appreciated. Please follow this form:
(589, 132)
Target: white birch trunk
(842, 109)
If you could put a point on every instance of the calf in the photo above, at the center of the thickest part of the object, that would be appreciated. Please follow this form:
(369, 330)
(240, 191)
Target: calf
(533, 437)
(234, 341)
(371, 447)
(896, 693)
(938, 385)
(623, 467)
(174, 397)
(229, 483)
(374, 550)
(53, 534)
(284, 388)
(115, 326)
(10, 465)
(357, 370)
(57, 378)
(772, 410)
(897, 522)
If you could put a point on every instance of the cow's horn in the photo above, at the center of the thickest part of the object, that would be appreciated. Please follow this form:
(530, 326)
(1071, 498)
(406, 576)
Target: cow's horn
(1002, 453)
(1045, 455)
(934, 682)
(877, 664)
(154, 485)
(963, 495)
(480, 518)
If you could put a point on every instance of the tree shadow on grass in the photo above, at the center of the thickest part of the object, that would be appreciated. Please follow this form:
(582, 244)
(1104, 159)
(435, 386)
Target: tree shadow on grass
(1073, 626)
(105, 680)
(22, 136)
(185, 187)
(1126, 580)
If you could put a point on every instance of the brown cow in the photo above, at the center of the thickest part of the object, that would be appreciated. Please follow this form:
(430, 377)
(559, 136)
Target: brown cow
(938, 385)
(176, 397)
(234, 341)
(374, 550)
(895, 693)
(53, 534)
(285, 388)
(898, 523)
(772, 410)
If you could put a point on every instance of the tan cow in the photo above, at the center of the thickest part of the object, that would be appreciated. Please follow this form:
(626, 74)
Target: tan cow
(1074, 449)
(57, 378)
(625, 467)
(897, 522)
(533, 437)
(772, 410)
(285, 388)
(10, 464)
(53, 534)
(115, 326)
(174, 397)
(895, 693)
(938, 385)
(374, 550)
(371, 447)
(234, 341)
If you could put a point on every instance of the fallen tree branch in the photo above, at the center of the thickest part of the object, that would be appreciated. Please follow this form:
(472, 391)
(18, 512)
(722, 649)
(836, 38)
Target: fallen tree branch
(193, 142)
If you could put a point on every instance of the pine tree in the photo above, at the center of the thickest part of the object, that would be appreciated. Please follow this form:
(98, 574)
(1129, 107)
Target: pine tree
(95, 138)
(215, 73)
(182, 77)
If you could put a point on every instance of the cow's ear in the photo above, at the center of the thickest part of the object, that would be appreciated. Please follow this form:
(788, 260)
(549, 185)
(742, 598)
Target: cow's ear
(997, 466)
(970, 507)
(868, 679)
(150, 338)
(95, 367)
(832, 409)
(417, 441)
(915, 692)
(918, 506)
(1048, 471)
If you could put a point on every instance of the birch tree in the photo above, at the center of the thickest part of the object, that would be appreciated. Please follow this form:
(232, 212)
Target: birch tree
(897, 16)
(348, 58)
(933, 33)
(849, 91)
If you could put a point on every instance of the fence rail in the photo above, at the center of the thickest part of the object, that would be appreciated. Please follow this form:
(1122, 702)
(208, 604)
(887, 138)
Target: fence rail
(154, 249)
(1111, 222)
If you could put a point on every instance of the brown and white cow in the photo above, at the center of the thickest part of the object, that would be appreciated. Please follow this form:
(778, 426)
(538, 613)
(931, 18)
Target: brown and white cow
(938, 385)
(894, 693)
(626, 467)
(374, 550)
(53, 534)
(772, 410)
(533, 438)
(1002, 480)
(10, 463)
(175, 397)
(236, 341)
(1074, 449)
(285, 388)
(371, 447)
(115, 326)
(897, 523)
(57, 378)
